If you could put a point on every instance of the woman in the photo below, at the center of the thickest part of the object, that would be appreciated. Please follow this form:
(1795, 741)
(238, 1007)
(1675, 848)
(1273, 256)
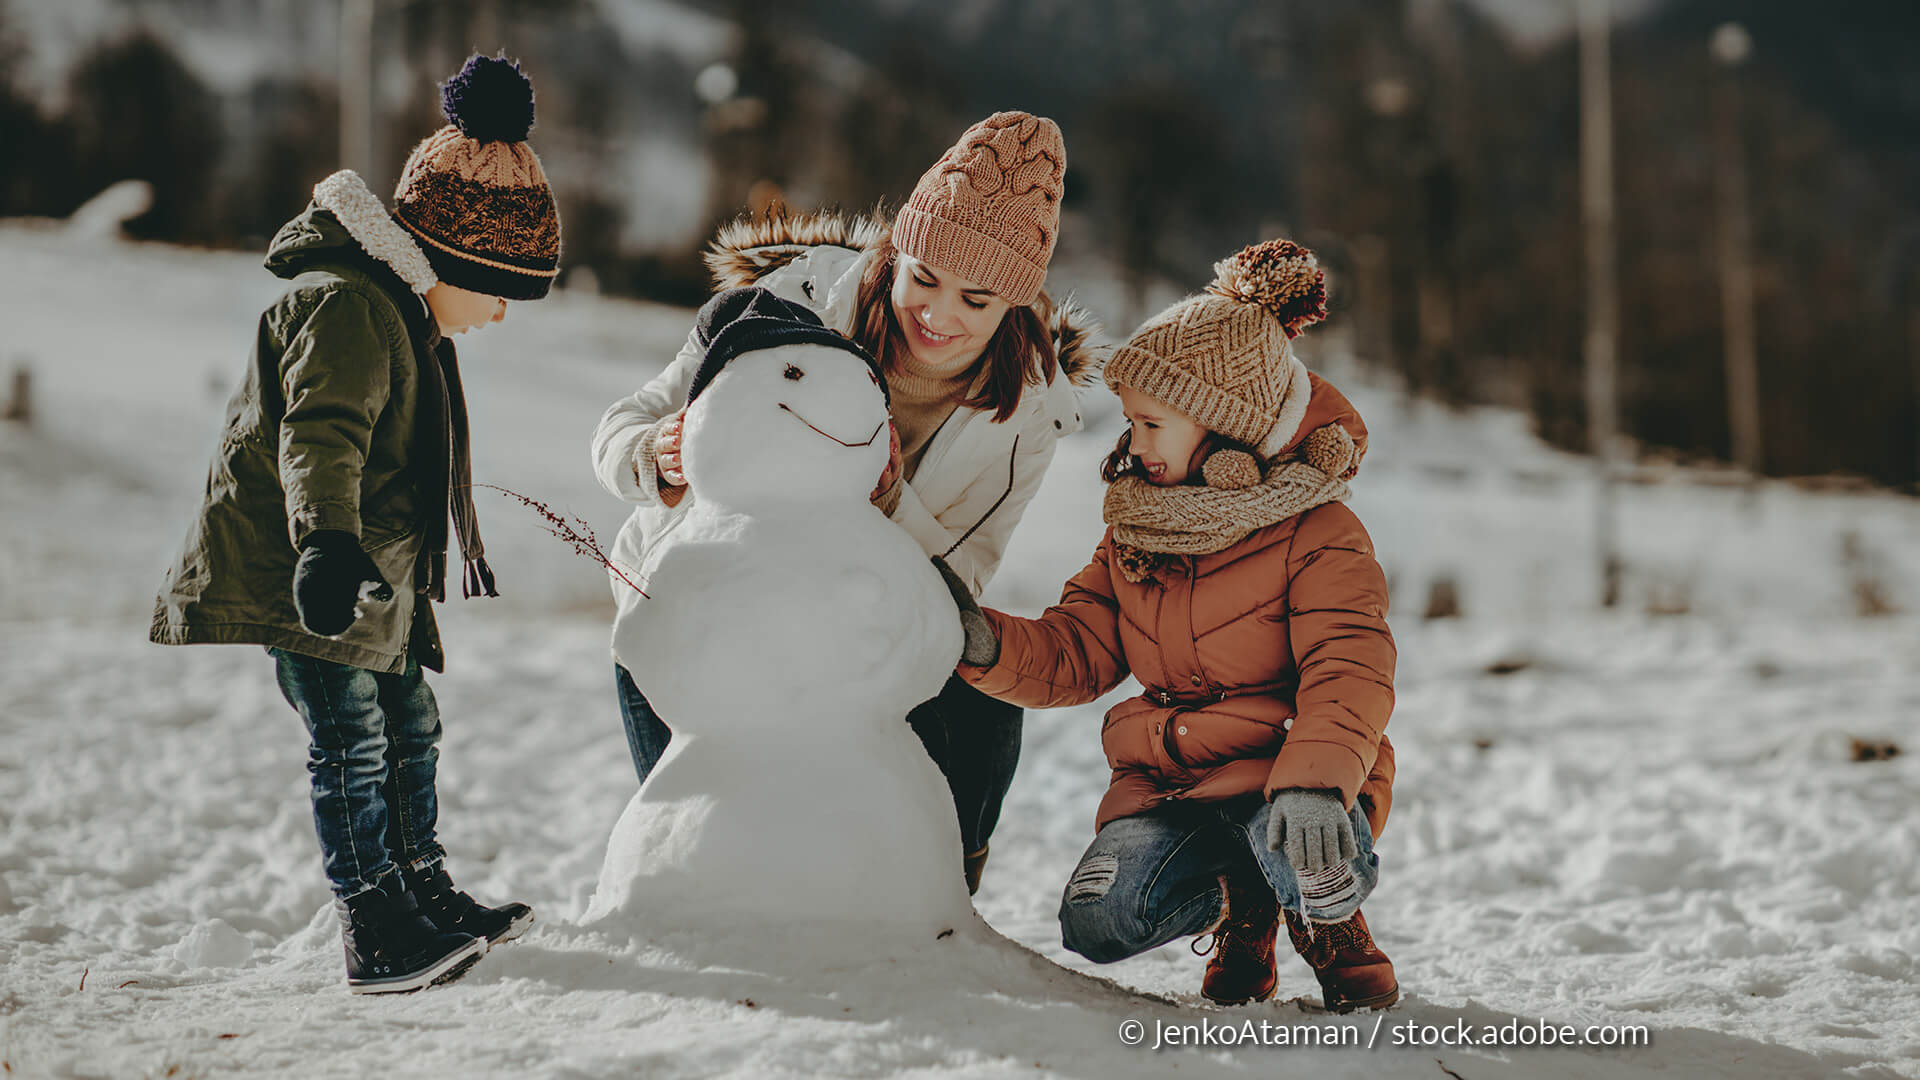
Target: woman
(950, 299)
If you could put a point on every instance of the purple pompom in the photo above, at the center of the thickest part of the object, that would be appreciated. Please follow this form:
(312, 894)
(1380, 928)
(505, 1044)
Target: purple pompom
(491, 100)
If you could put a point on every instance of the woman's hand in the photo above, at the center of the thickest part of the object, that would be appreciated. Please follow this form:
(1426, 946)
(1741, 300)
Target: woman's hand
(886, 494)
(666, 450)
(891, 473)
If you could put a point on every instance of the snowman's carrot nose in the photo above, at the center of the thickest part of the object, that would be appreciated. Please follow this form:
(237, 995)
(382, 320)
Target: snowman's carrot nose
(836, 438)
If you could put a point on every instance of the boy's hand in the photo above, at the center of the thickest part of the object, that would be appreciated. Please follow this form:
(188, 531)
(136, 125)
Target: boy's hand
(982, 648)
(666, 450)
(328, 579)
(1313, 828)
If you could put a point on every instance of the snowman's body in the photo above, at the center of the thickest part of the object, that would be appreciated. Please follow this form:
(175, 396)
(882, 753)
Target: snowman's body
(788, 629)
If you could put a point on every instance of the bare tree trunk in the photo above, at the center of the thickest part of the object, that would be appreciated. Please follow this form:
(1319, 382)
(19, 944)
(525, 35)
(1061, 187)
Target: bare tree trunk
(1736, 280)
(1603, 305)
(356, 86)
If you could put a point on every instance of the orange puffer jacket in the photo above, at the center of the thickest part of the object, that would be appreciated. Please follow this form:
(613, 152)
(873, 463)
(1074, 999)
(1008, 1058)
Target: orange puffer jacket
(1267, 666)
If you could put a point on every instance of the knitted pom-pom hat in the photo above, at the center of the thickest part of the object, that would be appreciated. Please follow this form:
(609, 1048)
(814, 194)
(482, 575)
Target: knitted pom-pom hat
(1223, 357)
(989, 209)
(473, 193)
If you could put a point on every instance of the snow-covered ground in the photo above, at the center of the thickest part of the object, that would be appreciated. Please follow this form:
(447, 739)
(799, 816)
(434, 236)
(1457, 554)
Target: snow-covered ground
(1625, 819)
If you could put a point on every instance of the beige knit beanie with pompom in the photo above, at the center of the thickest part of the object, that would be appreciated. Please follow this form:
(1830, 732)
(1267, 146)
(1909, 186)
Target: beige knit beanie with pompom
(1223, 357)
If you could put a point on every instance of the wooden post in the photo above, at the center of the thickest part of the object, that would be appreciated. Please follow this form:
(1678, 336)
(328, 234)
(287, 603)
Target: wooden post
(20, 402)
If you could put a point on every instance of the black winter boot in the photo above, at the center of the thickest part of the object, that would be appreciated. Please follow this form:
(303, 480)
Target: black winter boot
(392, 948)
(454, 911)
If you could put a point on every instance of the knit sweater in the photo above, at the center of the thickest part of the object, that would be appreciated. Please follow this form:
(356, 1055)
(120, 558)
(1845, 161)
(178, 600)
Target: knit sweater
(924, 395)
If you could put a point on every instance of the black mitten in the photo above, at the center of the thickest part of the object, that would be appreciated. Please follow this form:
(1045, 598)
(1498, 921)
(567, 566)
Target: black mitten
(328, 578)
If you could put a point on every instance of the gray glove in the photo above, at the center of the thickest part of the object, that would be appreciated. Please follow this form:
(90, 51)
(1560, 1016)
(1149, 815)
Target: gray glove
(982, 648)
(1312, 827)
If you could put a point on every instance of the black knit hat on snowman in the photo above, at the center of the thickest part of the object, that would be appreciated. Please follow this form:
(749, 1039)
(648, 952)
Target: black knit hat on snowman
(747, 320)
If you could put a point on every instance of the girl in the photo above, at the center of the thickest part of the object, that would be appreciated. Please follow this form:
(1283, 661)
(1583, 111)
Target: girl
(1252, 776)
(949, 299)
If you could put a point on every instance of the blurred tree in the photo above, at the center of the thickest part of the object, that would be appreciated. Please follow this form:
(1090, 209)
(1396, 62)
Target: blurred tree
(1158, 155)
(272, 175)
(896, 124)
(34, 149)
(137, 112)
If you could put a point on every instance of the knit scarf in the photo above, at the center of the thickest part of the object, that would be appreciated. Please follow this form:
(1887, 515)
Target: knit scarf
(1153, 525)
(449, 488)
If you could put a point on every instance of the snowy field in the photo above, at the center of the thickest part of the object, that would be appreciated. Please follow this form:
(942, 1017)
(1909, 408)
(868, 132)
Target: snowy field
(1632, 819)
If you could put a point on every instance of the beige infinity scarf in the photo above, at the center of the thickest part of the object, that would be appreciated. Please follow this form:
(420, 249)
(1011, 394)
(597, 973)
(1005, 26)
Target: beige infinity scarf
(1153, 524)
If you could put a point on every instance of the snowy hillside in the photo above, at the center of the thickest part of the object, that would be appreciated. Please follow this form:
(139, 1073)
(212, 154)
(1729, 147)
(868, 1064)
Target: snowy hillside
(1623, 819)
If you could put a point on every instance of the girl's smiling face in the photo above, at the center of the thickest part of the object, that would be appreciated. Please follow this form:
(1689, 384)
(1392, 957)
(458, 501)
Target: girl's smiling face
(943, 316)
(1169, 444)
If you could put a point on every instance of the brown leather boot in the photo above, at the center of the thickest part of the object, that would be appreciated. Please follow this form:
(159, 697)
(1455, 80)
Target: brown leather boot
(1353, 972)
(1241, 968)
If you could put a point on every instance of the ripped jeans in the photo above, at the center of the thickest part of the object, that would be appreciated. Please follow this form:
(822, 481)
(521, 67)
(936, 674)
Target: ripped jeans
(1153, 877)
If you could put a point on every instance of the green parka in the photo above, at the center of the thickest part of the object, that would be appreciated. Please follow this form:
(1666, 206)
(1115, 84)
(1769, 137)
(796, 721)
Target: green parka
(342, 423)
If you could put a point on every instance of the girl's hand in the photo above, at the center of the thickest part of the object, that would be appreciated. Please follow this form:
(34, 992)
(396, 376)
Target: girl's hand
(1312, 827)
(888, 475)
(666, 450)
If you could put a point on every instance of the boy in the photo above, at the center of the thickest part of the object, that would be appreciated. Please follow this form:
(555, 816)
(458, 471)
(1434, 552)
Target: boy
(323, 532)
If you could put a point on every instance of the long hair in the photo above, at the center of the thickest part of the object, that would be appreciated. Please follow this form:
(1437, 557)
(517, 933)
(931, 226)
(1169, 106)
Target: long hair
(1122, 462)
(1019, 354)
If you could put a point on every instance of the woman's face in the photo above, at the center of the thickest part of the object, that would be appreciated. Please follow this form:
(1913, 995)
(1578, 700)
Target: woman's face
(943, 316)
(1168, 443)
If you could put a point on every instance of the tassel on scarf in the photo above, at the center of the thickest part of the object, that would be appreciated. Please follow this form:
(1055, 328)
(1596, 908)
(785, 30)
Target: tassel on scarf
(478, 579)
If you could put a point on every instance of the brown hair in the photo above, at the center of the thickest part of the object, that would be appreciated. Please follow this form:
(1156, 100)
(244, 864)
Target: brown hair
(1019, 354)
(1121, 461)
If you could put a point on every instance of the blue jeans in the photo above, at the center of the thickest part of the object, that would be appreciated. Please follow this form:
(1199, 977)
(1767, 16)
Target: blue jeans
(1153, 877)
(974, 739)
(372, 754)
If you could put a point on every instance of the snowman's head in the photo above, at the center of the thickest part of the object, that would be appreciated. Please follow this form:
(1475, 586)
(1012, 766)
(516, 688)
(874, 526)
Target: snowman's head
(783, 412)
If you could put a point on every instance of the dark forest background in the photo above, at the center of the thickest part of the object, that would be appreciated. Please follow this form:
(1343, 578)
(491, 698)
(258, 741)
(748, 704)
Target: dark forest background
(1429, 156)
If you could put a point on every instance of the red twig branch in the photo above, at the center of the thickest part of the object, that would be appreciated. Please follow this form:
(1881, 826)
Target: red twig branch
(575, 531)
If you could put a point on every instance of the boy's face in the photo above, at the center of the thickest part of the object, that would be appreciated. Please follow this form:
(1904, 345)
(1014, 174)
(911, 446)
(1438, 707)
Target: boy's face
(1168, 443)
(459, 310)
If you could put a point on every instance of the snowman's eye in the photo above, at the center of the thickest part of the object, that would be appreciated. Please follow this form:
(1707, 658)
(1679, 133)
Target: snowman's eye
(795, 373)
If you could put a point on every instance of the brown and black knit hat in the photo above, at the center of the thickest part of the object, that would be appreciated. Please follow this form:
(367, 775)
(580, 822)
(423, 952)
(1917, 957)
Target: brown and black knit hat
(473, 193)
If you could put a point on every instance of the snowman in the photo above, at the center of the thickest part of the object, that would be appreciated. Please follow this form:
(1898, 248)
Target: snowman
(787, 630)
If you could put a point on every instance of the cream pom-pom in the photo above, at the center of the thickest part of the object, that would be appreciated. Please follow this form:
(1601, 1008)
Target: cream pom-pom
(1279, 275)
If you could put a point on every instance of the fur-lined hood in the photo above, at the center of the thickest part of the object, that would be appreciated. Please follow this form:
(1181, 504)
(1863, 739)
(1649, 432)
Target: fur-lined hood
(747, 250)
(358, 218)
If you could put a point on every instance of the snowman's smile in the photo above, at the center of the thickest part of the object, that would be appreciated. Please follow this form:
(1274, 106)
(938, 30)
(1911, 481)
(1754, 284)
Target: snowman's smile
(835, 438)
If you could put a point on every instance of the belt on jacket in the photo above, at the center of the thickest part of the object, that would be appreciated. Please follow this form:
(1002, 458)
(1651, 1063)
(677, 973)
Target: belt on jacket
(1170, 699)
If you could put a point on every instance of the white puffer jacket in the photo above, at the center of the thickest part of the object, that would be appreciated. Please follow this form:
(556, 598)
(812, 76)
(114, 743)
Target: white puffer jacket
(975, 478)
